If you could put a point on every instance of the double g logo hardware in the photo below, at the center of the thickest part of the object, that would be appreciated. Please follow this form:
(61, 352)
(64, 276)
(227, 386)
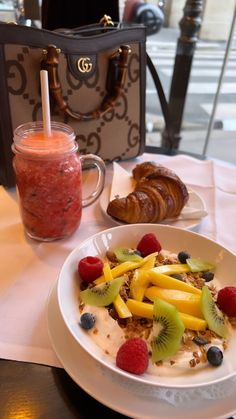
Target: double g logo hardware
(84, 64)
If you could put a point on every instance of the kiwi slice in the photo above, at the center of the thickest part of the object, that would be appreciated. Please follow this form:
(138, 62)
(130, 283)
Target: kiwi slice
(214, 317)
(168, 329)
(197, 265)
(103, 294)
(124, 254)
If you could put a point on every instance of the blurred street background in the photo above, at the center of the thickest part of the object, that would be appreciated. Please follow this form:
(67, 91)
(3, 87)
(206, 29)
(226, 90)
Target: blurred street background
(204, 78)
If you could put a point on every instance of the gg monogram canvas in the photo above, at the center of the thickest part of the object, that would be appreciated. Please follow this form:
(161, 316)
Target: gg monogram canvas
(101, 100)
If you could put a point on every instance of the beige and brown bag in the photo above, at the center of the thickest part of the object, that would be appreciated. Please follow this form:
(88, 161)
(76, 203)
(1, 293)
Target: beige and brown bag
(97, 80)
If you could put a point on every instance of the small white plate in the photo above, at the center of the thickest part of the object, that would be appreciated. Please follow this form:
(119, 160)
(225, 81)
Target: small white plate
(195, 201)
(112, 390)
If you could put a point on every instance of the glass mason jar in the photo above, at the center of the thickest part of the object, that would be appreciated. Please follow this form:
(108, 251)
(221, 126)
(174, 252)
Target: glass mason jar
(48, 173)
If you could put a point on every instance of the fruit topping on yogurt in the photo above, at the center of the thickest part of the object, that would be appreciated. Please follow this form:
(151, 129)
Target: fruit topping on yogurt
(151, 309)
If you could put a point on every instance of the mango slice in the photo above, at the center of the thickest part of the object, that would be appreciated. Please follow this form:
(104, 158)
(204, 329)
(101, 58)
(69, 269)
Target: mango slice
(124, 267)
(139, 284)
(107, 272)
(117, 271)
(165, 281)
(193, 323)
(177, 268)
(139, 308)
(185, 302)
(150, 263)
(121, 308)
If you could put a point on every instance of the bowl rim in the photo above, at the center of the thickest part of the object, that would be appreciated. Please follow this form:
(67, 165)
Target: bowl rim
(140, 379)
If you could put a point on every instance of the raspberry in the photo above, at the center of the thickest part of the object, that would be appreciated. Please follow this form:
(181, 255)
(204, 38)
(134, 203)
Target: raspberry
(132, 356)
(148, 244)
(90, 268)
(226, 301)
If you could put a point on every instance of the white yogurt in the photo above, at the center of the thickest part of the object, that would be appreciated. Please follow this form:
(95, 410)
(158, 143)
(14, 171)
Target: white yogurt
(109, 336)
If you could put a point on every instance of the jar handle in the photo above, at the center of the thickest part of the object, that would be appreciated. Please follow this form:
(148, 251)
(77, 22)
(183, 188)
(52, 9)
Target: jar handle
(88, 161)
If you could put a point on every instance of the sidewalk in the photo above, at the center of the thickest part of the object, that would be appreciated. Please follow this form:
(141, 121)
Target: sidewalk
(171, 35)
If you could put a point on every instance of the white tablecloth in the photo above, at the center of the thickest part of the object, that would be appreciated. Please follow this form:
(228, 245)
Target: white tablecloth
(29, 269)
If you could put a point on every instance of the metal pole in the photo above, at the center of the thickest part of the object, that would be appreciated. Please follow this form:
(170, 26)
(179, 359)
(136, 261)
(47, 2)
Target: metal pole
(190, 25)
(226, 56)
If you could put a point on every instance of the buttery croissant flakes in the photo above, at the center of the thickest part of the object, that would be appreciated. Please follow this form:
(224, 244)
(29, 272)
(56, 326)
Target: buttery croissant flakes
(159, 194)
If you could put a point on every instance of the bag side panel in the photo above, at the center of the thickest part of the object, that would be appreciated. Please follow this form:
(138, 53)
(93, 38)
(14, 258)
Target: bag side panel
(7, 177)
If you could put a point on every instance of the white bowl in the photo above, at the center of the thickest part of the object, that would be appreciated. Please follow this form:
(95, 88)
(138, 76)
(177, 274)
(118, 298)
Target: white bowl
(175, 240)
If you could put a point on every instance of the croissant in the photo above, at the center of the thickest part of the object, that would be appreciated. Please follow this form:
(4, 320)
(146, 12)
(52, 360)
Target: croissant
(159, 194)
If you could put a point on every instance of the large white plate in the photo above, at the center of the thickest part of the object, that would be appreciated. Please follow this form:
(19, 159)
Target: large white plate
(112, 391)
(173, 239)
(195, 201)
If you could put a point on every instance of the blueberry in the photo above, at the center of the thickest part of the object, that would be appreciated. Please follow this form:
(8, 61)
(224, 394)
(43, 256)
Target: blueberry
(87, 321)
(214, 356)
(177, 276)
(199, 340)
(183, 256)
(208, 276)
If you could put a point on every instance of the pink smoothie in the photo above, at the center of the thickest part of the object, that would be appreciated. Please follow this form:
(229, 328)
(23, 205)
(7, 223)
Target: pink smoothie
(48, 178)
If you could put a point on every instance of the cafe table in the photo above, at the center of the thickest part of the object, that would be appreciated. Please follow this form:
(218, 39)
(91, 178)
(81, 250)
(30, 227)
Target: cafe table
(33, 382)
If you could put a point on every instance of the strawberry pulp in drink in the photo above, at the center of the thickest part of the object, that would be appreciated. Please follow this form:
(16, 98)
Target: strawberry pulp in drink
(48, 178)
